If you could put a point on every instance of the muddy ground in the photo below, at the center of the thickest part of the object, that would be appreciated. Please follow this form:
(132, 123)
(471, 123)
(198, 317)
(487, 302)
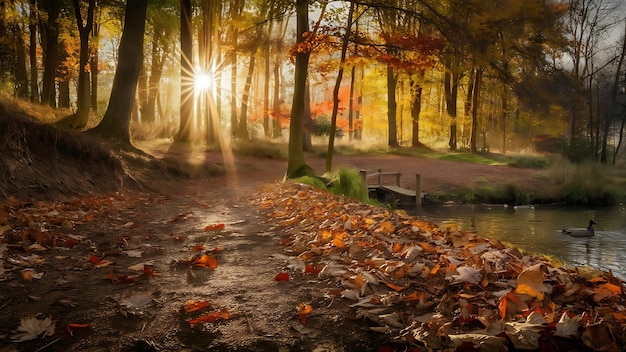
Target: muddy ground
(114, 271)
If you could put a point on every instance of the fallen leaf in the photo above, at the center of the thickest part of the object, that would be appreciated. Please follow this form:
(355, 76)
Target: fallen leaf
(303, 310)
(282, 276)
(214, 227)
(530, 282)
(192, 306)
(32, 328)
(206, 261)
(211, 317)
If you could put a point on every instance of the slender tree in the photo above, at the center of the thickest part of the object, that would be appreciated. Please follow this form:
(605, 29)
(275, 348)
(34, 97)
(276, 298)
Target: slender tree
(186, 73)
(83, 90)
(296, 165)
(116, 121)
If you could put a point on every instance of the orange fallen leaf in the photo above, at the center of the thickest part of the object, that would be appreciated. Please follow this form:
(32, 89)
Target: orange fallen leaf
(78, 326)
(282, 276)
(207, 261)
(214, 227)
(394, 287)
(211, 317)
(303, 310)
(89, 218)
(192, 306)
(94, 260)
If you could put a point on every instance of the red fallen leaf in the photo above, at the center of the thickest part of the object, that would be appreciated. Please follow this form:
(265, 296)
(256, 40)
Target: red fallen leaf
(94, 260)
(70, 243)
(214, 227)
(89, 218)
(78, 326)
(192, 306)
(206, 261)
(211, 317)
(310, 268)
(148, 270)
(282, 276)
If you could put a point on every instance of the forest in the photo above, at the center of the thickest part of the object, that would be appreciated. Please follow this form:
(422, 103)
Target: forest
(538, 75)
(123, 227)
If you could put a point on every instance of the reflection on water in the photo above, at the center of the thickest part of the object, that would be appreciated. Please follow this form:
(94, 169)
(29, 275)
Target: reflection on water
(539, 230)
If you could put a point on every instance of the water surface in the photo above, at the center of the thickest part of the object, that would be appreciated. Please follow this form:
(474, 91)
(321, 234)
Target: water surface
(539, 230)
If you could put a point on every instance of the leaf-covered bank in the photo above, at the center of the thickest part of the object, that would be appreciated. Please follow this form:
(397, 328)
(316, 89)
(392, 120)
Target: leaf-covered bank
(431, 288)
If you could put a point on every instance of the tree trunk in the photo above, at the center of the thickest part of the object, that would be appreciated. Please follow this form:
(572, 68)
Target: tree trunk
(32, 28)
(156, 71)
(50, 37)
(93, 64)
(116, 121)
(296, 165)
(234, 121)
(392, 81)
(245, 98)
(64, 93)
(451, 89)
(416, 109)
(503, 110)
(475, 101)
(307, 120)
(83, 90)
(186, 73)
(21, 74)
(333, 118)
(266, 83)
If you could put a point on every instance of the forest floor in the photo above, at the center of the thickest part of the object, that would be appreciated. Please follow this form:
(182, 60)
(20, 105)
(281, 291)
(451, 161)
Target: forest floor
(130, 255)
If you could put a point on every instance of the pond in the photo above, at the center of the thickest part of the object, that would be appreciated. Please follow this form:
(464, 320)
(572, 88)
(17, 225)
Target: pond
(538, 230)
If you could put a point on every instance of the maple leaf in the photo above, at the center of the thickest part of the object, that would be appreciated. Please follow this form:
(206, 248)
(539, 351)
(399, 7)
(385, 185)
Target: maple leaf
(32, 328)
(214, 227)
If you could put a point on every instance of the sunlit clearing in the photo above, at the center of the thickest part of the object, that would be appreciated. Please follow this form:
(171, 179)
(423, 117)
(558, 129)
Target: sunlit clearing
(202, 81)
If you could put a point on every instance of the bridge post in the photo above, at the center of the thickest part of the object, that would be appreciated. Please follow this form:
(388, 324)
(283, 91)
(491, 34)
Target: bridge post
(398, 179)
(418, 189)
(380, 177)
(363, 174)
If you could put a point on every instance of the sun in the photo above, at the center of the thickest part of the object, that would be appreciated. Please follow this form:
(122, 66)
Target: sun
(202, 81)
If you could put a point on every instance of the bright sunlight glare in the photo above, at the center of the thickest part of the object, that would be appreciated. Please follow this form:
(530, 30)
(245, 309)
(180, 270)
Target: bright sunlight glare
(202, 81)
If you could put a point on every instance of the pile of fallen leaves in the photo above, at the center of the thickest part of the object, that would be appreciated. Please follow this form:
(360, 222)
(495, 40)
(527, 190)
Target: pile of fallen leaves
(441, 288)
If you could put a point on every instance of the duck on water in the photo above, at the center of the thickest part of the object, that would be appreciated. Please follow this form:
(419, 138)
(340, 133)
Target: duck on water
(581, 232)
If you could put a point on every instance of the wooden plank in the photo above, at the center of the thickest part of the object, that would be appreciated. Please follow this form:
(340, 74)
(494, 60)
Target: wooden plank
(399, 190)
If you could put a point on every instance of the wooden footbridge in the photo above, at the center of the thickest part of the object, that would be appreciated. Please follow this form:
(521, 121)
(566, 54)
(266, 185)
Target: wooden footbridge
(388, 193)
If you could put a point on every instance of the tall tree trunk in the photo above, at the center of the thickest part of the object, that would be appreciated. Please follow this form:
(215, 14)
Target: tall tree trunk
(116, 121)
(83, 90)
(307, 119)
(416, 109)
(392, 81)
(234, 121)
(266, 83)
(94, 61)
(186, 73)
(475, 101)
(333, 118)
(21, 74)
(64, 92)
(50, 35)
(142, 93)
(245, 98)
(34, 77)
(296, 165)
(451, 89)
(278, 101)
(503, 111)
(156, 71)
